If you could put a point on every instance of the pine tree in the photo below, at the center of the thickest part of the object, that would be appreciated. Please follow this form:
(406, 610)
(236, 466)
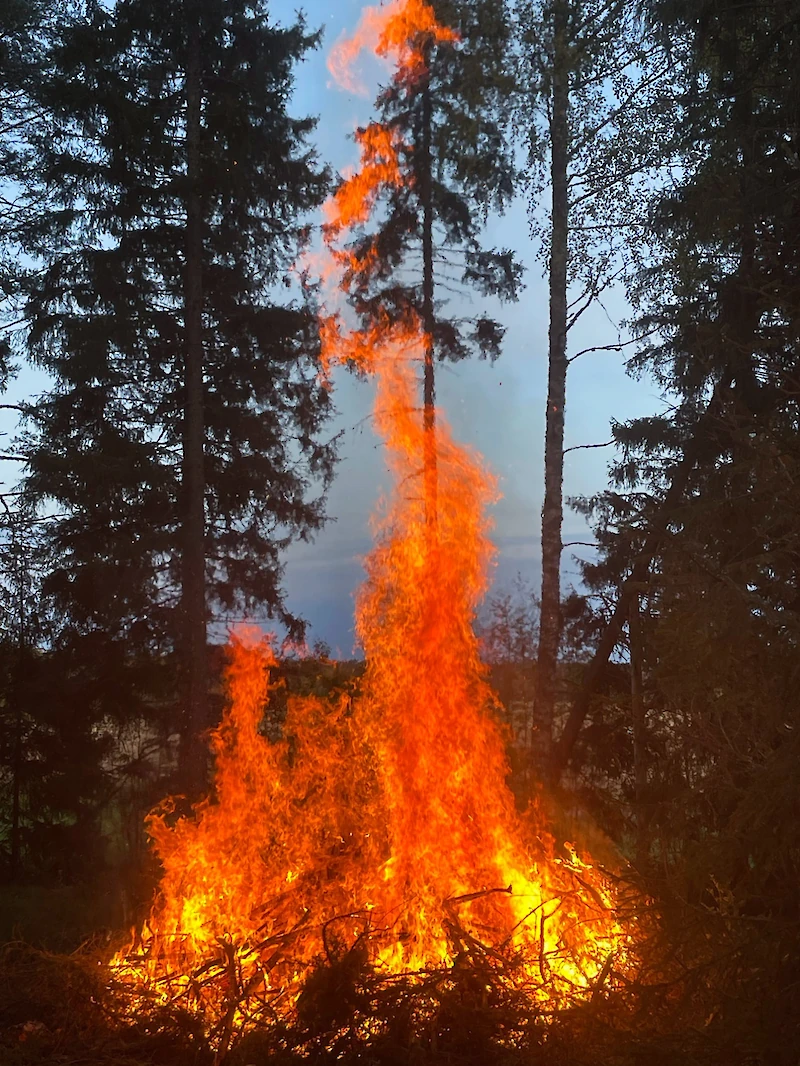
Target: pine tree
(450, 126)
(180, 443)
(700, 519)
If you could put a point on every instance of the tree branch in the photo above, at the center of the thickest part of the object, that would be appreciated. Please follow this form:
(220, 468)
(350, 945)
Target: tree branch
(583, 447)
(612, 347)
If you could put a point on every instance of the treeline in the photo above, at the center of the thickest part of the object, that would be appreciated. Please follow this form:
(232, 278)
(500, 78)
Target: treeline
(156, 194)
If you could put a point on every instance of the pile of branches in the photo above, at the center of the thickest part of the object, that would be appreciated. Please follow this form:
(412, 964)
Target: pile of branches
(668, 1006)
(57, 1009)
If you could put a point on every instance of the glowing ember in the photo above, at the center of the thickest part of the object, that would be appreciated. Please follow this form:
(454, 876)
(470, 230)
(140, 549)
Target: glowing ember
(382, 819)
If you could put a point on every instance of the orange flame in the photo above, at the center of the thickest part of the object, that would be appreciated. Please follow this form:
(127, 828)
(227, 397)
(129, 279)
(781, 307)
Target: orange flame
(353, 201)
(398, 32)
(383, 817)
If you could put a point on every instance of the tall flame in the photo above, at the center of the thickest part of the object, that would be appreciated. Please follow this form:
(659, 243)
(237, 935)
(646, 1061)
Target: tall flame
(381, 818)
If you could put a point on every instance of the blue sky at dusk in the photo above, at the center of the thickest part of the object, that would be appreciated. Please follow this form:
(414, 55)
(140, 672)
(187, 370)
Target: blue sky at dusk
(497, 409)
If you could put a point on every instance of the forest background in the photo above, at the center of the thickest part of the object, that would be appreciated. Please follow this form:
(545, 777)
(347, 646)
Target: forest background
(671, 714)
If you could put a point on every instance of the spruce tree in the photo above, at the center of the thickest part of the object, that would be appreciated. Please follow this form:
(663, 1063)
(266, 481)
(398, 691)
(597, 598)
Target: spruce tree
(23, 31)
(180, 445)
(707, 490)
(450, 125)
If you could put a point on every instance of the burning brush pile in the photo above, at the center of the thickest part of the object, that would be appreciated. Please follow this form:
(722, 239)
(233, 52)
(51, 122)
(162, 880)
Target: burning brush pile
(379, 829)
(378, 832)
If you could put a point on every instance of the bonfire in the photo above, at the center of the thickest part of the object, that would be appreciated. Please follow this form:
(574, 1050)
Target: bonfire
(379, 827)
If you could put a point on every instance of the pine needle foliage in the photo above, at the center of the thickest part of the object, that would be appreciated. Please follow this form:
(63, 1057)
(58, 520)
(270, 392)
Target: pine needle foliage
(106, 314)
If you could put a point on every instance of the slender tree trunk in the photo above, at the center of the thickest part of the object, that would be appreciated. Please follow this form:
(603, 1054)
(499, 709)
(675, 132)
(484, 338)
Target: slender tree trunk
(639, 726)
(16, 785)
(18, 689)
(550, 625)
(193, 595)
(16, 793)
(430, 462)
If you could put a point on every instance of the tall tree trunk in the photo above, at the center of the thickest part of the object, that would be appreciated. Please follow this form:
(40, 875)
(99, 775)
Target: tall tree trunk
(16, 792)
(430, 464)
(193, 593)
(639, 726)
(550, 626)
(16, 784)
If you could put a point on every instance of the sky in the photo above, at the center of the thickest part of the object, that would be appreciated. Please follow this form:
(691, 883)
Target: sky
(497, 409)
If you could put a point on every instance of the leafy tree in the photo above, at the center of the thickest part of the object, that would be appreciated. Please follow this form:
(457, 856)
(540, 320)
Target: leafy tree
(510, 625)
(181, 439)
(508, 631)
(593, 104)
(721, 298)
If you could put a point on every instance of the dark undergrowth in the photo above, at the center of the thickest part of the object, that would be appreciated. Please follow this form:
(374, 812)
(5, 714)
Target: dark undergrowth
(703, 991)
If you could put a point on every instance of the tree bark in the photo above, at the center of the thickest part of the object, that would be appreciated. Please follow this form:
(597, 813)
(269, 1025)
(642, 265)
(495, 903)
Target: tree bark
(15, 832)
(430, 462)
(193, 592)
(552, 509)
(639, 726)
